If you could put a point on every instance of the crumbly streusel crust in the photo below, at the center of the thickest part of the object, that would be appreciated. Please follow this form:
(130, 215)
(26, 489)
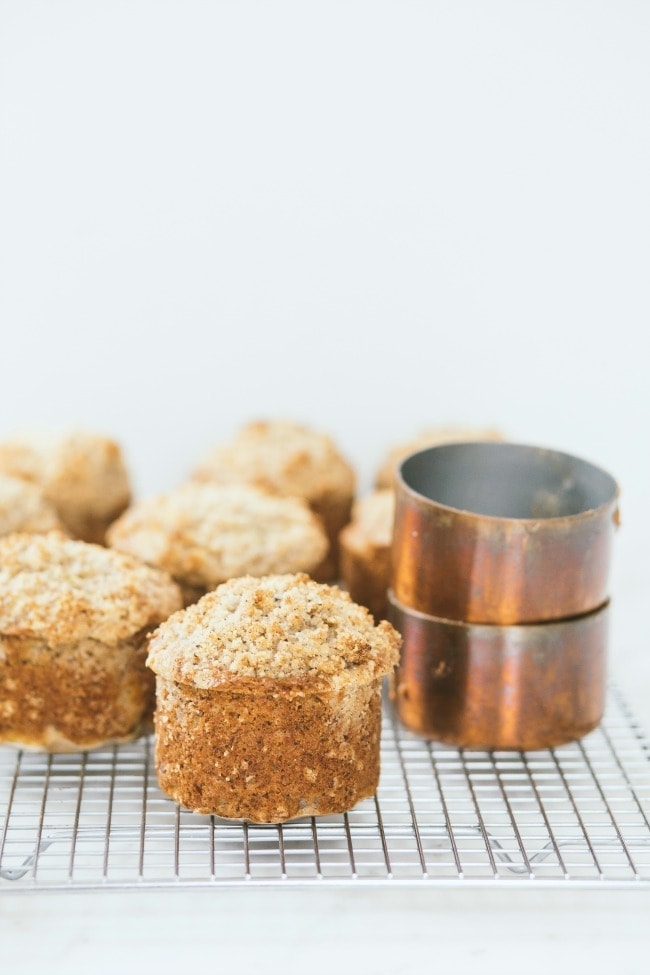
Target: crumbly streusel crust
(81, 474)
(365, 546)
(268, 700)
(289, 459)
(24, 509)
(432, 437)
(73, 624)
(59, 590)
(204, 534)
(282, 627)
(280, 456)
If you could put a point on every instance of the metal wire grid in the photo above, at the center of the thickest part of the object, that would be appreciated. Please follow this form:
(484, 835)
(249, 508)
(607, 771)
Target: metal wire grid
(579, 814)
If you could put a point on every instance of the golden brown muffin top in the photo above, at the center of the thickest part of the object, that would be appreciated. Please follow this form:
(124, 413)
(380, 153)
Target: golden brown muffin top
(282, 457)
(61, 591)
(432, 437)
(80, 473)
(284, 628)
(204, 534)
(24, 509)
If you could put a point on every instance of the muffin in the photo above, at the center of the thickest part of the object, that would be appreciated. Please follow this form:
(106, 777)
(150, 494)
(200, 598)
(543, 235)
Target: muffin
(24, 509)
(204, 534)
(289, 459)
(385, 477)
(365, 546)
(269, 700)
(81, 474)
(73, 621)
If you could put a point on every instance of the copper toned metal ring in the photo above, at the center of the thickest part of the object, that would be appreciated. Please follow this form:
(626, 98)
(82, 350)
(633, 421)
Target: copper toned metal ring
(511, 687)
(502, 533)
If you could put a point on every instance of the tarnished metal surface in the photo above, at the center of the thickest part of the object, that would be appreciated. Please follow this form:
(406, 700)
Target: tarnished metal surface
(500, 687)
(502, 533)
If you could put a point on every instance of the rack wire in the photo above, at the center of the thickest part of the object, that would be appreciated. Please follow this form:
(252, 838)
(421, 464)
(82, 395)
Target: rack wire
(576, 815)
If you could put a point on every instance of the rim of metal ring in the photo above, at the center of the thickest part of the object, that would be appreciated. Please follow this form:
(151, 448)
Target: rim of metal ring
(405, 473)
(493, 627)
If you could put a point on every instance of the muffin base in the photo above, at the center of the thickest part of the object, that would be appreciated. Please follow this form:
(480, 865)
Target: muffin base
(75, 697)
(366, 574)
(189, 593)
(268, 755)
(334, 511)
(86, 527)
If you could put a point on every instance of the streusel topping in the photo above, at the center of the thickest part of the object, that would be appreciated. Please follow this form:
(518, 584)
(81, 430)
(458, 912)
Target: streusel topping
(81, 473)
(282, 457)
(24, 509)
(204, 534)
(372, 517)
(61, 590)
(280, 627)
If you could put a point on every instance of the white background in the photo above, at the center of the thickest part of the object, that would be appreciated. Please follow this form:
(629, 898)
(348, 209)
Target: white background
(367, 216)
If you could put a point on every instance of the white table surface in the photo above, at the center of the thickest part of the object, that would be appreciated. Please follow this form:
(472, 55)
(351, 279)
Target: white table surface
(369, 931)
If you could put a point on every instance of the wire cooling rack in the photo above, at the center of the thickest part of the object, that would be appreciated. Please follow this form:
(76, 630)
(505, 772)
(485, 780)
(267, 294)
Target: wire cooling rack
(576, 815)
